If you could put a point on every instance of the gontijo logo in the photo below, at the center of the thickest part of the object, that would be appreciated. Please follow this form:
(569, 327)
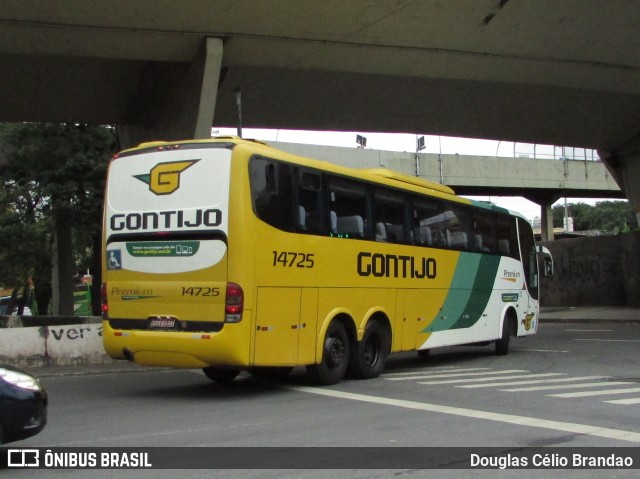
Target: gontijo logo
(164, 178)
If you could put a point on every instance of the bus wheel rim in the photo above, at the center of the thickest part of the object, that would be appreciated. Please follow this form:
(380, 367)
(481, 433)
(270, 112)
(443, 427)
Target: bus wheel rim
(371, 351)
(335, 352)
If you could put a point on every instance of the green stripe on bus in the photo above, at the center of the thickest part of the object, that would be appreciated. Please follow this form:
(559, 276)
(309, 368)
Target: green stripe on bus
(469, 293)
(481, 292)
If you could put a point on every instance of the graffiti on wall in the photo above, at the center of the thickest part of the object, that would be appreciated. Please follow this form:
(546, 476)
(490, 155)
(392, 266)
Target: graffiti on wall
(74, 332)
(583, 269)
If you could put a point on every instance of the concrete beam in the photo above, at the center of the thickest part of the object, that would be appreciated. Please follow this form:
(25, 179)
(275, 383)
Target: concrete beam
(175, 101)
(540, 180)
(479, 175)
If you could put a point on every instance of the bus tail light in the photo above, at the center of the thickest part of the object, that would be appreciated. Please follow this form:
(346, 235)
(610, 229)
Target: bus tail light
(104, 308)
(234, 303)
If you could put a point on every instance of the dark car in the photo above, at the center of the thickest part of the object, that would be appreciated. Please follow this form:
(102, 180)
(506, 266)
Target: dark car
(23, 404)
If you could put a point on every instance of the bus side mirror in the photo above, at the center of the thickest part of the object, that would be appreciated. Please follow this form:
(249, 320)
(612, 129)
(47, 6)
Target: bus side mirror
(547, 260)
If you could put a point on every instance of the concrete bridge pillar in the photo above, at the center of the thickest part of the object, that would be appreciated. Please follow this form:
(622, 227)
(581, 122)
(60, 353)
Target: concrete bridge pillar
(546, 201)
(175, 101)
(546, 221)
(624, 166)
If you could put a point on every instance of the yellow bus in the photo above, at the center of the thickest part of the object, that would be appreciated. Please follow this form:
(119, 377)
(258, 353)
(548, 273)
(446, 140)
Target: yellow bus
(230, 255)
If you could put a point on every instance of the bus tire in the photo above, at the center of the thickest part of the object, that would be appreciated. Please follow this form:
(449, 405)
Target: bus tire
(220, 375)
(335, 357)
(502, 344)
(369, 356)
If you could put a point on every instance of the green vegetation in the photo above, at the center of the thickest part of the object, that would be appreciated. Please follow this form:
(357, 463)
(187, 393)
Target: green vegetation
(52, 181)
(607, 216)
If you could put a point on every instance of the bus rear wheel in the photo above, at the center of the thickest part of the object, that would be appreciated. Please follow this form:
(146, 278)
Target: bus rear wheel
(370, 355)
(335, 357)
(220, 375)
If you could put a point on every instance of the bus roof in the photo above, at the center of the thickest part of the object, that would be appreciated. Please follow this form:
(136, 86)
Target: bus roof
(412, 180)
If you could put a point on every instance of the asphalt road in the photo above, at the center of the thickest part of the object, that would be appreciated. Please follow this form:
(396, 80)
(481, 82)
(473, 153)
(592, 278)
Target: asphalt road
(571, 385)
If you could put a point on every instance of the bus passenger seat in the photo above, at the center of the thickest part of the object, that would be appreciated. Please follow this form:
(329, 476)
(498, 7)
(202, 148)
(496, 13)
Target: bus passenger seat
(351, 225)
(477, 240)
(302, 218)
(334, 222)
(381, 233)
(457, 240)
(395, 233)
(424, 235)
(479, 243)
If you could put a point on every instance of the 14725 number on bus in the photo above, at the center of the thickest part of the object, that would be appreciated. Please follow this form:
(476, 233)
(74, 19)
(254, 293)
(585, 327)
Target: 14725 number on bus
(292, 259)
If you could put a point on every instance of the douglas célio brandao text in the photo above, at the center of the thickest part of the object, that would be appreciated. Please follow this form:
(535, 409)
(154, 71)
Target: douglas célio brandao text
(552, 461)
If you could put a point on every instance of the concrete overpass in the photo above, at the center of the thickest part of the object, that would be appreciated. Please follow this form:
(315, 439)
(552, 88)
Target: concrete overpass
(542, 181)
(542, 71)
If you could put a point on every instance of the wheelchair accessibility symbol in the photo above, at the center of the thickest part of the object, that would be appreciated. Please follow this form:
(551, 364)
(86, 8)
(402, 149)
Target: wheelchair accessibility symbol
(114, 259)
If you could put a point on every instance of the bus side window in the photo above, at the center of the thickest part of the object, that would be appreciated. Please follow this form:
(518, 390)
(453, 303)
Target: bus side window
(428, 217)
(310, 204)
(348, 199)
(484, 235)
(456, 223)
(507, 236)
(271, 192)
(389, 216)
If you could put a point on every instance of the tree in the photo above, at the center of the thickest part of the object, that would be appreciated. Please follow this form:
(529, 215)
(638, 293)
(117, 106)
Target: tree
(611, 216)
(606, 216)
(52, 186)
(24, 238)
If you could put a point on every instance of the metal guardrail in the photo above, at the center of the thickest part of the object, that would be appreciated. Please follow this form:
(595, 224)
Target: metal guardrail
(551, 152)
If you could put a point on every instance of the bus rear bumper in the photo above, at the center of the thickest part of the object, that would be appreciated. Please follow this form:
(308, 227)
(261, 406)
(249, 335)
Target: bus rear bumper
(164, 358)
(229, 347)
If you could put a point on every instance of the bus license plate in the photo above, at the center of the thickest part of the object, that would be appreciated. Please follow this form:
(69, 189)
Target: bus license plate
(162, 323)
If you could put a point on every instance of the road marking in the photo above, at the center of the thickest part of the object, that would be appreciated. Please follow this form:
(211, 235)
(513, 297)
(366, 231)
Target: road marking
(590, 330)
(608, 340)
(438, 370)
(479, 380)
(624, 401)
(596, 393)
(541, 350)
(454, 375)
(573, 428)
(568, 386)
(533, 381)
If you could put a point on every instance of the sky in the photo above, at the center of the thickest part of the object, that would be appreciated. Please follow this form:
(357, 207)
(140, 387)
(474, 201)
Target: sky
(433, 144)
